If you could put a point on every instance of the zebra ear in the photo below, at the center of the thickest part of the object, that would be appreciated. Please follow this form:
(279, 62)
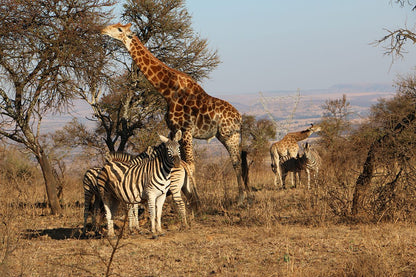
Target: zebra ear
(163, 138)
(149, 150)
(178, 135)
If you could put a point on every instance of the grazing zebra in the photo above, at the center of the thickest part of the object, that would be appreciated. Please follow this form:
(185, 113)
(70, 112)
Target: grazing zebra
(148, 180)
(310, 160)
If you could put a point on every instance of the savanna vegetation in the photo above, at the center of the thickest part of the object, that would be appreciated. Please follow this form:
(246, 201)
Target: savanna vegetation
(358, 218)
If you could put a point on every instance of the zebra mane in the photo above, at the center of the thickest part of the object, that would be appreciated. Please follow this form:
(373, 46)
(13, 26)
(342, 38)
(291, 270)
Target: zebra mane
(118, 157)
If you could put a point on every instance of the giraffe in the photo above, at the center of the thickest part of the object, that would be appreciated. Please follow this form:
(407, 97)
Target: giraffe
(287, 148)
(190, 108)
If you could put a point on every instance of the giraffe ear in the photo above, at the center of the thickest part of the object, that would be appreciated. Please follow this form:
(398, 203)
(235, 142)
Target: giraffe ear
(128, 25)
(178, 135)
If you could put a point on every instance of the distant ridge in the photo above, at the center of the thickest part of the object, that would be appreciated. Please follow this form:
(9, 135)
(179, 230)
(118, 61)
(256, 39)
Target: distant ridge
(370, 87)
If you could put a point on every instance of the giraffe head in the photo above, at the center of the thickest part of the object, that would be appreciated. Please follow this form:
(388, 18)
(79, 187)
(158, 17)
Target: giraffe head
(314, 129)
(118, 31)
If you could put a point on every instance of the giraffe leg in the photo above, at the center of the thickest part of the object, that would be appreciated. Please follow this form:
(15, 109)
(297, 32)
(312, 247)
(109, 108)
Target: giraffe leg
(232, 144)
(187, 150)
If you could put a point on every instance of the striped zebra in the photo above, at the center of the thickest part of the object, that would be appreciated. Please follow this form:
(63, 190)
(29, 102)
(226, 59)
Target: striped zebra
(133, 182)
(309, 161)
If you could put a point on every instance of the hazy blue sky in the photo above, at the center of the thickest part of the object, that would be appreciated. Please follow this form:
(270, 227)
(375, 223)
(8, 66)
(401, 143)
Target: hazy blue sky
(267, 45)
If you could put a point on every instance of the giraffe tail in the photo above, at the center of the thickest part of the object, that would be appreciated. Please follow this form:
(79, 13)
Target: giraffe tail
(244, 169)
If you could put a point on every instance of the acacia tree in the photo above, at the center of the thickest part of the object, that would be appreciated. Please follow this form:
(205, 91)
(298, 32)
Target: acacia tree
(129, 103)
(395, 40)
(45, 48)
(394, 43)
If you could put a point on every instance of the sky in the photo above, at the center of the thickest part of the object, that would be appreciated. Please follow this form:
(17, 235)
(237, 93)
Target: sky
(269, 45)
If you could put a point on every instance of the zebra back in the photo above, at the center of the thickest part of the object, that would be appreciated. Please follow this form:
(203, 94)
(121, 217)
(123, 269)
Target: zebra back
(128, 180)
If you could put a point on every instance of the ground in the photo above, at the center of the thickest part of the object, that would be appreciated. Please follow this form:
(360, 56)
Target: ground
(212, 247)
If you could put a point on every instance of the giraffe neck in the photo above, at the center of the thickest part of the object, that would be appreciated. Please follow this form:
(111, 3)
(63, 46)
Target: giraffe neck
(304, 135)
(167, 81)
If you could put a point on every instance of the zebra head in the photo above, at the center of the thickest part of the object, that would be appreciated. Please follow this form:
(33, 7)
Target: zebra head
(172, 148)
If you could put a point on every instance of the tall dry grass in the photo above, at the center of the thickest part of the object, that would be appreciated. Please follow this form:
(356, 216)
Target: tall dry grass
(308, 232)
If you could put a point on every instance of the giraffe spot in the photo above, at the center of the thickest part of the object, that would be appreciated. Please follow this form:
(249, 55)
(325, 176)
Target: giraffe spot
(178, 114)
(204, 108)
(146, 60)
(195, 110)
(154, 80)
(199, 122)
(159, 75)
(186, 109)
(178, 108)
(156, 68)
(163, 86)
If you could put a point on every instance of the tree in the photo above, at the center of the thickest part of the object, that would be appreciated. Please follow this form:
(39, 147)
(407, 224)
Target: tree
(394, 122)
(46, 47)
(129, 110)
(395, 40)
(256, 135)
(335, 121)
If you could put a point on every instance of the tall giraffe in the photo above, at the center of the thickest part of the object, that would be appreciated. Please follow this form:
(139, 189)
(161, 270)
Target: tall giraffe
(190, 108)
(287, 148)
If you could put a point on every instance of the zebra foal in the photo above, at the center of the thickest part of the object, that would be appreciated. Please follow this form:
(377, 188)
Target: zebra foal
(149, 179)
(309, 161)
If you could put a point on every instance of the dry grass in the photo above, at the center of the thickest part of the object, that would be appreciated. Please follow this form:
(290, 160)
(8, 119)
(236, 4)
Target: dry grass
(274, 233)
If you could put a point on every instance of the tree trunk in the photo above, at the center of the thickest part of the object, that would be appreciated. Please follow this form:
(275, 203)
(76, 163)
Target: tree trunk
(50, 183)
(364, 180)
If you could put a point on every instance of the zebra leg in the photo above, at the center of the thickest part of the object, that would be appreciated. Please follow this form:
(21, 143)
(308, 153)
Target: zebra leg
(151, 202)
(110, 207)
(297, 180)
(177, 198)
(132, 216)
(110, 223)
(283, 179)
(292, 177)
(159, 206)
(309, 178)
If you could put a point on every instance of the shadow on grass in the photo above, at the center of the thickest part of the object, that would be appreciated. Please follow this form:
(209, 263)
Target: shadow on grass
(61, 234)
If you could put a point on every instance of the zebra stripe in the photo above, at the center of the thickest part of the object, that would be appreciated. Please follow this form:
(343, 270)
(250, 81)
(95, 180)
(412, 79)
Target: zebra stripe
(148, 179)
(313, 162)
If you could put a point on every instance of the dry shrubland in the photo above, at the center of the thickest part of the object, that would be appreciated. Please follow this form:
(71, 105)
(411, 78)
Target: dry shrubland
(293, 232)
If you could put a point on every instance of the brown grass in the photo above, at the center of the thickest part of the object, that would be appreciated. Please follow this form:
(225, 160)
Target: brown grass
(294, 232)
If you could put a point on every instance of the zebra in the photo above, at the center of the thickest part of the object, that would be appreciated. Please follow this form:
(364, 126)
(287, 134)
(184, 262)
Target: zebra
(309, 161)
(148, 179)
(93, 204)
